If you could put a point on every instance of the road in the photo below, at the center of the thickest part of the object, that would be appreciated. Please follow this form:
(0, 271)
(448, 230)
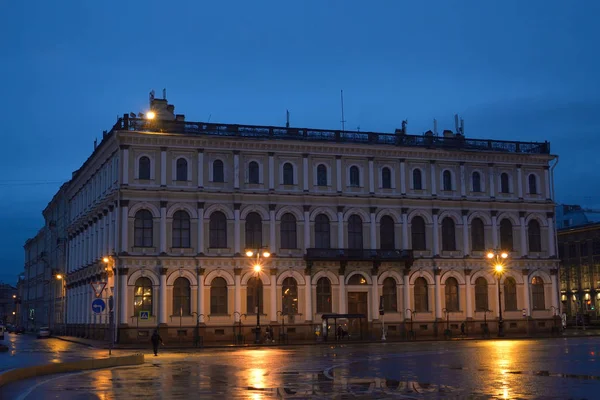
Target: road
(556, 368)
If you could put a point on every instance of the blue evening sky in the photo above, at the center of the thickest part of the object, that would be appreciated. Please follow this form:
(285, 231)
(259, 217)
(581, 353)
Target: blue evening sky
(513, 69)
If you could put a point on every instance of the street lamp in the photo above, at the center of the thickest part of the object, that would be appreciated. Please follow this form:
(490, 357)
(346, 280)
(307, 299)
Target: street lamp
(497, 259)
(257, 269)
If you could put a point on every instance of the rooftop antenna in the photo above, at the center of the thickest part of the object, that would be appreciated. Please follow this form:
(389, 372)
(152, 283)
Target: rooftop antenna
(462, 127)
(435, 133)
(151, 96)
(456, 123)
(343, 121)
(209, 115)
(95, 143)
(164, 94)
(358, 128)
(287, 118)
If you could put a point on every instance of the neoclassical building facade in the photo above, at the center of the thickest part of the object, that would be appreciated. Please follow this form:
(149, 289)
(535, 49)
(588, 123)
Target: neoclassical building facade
(164, 211)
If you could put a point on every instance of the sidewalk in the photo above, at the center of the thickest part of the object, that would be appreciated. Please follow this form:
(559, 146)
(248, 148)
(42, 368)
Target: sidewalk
(99, 344)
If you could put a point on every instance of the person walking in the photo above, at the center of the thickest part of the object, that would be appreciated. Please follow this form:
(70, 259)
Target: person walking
(156, 340)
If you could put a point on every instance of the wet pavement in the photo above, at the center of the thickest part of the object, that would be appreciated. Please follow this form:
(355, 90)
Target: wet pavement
(557, 368)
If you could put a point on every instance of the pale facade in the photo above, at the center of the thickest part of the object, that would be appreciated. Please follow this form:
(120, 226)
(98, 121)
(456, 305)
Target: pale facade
(348, 218)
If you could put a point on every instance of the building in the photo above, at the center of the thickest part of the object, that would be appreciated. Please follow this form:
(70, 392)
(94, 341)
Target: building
(575, 215)
(579, 250)
(34, 301)
(8, 295)
(164, 209)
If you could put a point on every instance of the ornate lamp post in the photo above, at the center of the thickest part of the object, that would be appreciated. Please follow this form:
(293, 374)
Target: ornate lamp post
(497, 258)
(257, 269)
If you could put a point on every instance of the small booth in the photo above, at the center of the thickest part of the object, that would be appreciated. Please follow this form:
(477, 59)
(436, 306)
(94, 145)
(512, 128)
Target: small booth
(345, 326)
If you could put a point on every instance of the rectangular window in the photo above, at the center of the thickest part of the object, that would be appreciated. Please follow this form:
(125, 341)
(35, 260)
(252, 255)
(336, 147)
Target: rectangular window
(572, 250)
(583, 249)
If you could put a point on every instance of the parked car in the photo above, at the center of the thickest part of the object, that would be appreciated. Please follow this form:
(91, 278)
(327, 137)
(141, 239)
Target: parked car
(44, 332)
(19, 329)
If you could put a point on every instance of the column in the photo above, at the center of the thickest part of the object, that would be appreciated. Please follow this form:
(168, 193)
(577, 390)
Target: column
(465, 224)
(373, 227)
(468, 294)
(433, 179)
(374, 293)
(163, 166)
(406, 294)
(272, 230)
(338, 173)
(200, 227)
(553, 277)
(402, 176)
(123, 309)
(124, 225)
(236, 169)
(306, 228)
(200, 295)
(494, 230)
(491, 173)
(271, 171)
(523, 234)
(125, 163)
(305, 172)
(340, 217)
(436, 239)
(200, 168)
(236, 228)
(547, 181)
(163, 228)
(551, 245)
(438, 293)
(162, 297)
(237, 295)
(342, 294)
(308, 295)
(463, 180)
(273, 294)
(106, 246)
(371, 176)
(527, 304)
(519, 181)
(115, 230)
(405, 228)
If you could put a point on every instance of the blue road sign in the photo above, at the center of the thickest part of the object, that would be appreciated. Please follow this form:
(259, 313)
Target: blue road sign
(98, 306)
(144, 314)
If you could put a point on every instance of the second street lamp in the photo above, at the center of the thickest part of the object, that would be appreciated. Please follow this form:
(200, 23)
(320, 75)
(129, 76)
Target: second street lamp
(497, 258)
(257, 269)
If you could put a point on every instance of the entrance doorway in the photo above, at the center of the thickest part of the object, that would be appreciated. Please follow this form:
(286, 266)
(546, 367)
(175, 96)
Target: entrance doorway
(358, 303)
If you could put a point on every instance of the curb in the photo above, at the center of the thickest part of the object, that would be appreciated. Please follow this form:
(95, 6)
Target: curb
(73, 340)
(18, 374)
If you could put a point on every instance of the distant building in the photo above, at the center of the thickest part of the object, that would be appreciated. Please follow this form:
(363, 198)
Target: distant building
(575, 215)
(8, 296)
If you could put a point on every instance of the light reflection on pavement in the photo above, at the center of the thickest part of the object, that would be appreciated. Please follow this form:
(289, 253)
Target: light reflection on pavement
(559, 368)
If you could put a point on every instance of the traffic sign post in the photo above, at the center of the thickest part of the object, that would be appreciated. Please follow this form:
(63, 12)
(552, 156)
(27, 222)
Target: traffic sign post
(144, 315)
(98, 306)
(98, 288)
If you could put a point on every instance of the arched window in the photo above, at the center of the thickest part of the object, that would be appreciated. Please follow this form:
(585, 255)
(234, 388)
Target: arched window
(448, 234)
(289, 296)
(218, 171)
(142, 297)
(537, 293)
(504, 187)
(357, 279)
(477, 234)
(253, 172)
(421, 295)
(322, 232)
(323, 295)
(355, 232)
(181, 229)
(506, 235)
(418, 233)
(181, 297)
(254, 290)
(288, 174)
(476, 182)
(481, 294)
(354, 176)
(451, 289)
(143, 229)
(144, 168)
(386, 178)
(321, 175)
(387, 236)
(417, 179)
(534, 235)
(253, 231)
(390, 300)
(447, 178)
(532, 184)
(510, 294)
(288, 231)
(181, 167)
(218, 230)
(218, 296)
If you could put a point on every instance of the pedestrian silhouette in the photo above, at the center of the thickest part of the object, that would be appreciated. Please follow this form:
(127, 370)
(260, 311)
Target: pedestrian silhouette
(156, 340)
